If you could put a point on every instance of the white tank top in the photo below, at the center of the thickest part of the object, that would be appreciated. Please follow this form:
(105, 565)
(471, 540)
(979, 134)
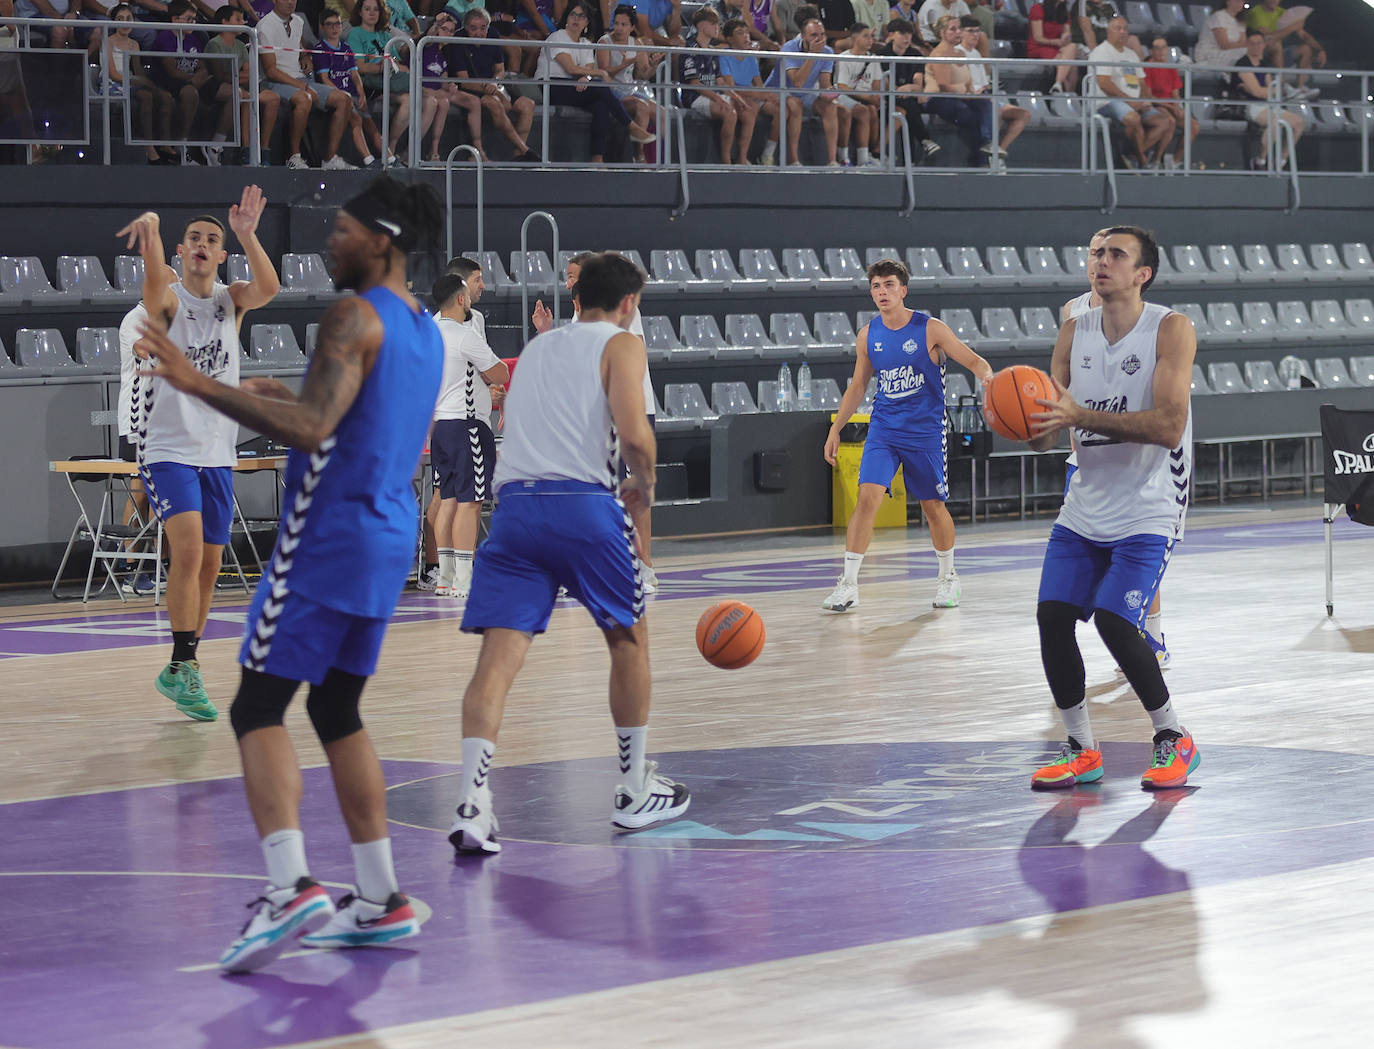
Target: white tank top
(128, 368)
(463, 394)
(1079, 306)
(1122, 488)
(637, 328)
(181, 428)
(558, 421)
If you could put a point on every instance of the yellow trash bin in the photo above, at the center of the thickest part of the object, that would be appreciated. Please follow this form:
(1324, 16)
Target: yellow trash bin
(845, 495)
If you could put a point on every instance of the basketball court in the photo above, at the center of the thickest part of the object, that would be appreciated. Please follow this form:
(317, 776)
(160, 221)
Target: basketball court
(863, 863)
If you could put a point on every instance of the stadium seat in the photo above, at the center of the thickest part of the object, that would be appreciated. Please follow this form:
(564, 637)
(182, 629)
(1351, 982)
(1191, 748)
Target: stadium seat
(842, 264)
(716, 266)
(872, 255)
(966, 266)
(312, 337)
(732, 398)
(534, 269)
(1040, 328)
(1329, 319)
(768, 395)
(98, 349)
(10, 370)
(1226, 324)
(670, 268)
(1033, 102)
(23, 279)
(759, 264)
(928, 272)
(1177, 28)
(803, 266)
(1294, 320)
(273, 347)
(834, 329)
(659, 338)
(1193, 311)
(1044, 267)
(861, 318)
(1259, 318)
(870, 392)
(1000, 330)
(789, 335)
(237, 268)
(43, 350)
(1224, 263)
(744, 337)
(685, 401)
(1331, 373)
(1261, 377)
(1190, 267)
(1327, 264)
(1200, 385)
(700, 332)
(129, 275)
(1225, 377)
(1141, 20)
(305, 275)
(1076, 264)
(83, 277)
(963, 325)
(1260, 267)
(1005, 268)
(1296, 373)
(1360, 314)
(956, 386)
(1361, 370)
(494, 274)
(634, 257)
(1292, 263)
(825, 394)
(1198, 15)
(1356, 258)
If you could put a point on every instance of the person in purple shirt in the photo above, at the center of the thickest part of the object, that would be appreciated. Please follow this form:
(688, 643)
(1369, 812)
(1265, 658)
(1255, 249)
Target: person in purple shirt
(176, 67)
(336, 64)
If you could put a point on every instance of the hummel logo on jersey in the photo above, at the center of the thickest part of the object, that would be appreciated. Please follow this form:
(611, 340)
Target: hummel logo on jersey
(877, 346)
(1131, 364)
(1087, 362)
(219, 312)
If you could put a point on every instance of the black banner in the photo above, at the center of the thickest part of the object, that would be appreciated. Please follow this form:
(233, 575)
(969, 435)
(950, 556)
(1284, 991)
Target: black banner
(1348, 455)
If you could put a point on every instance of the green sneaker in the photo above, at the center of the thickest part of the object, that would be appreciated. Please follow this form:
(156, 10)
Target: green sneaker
(181, 683)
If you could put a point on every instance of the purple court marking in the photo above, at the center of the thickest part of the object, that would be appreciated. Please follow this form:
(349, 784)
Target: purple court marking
(98, 631)
(916, 839)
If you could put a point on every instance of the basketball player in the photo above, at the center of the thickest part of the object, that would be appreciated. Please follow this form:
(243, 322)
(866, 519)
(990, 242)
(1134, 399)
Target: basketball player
(1123, 373)
(342, 554)
(543, 321)
(462, 446)
(907, 351)
(1154, 621)
(559, 522)
(186, 451)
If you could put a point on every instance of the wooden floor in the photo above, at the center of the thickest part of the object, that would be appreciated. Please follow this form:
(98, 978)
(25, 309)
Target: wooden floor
(1263, 938)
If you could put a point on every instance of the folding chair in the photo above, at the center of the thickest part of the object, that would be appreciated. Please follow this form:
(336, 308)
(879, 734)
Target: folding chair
(109, 538)
(1348, 473)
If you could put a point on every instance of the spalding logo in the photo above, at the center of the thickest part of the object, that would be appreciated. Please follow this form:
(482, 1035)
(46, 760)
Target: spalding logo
(1368, 445)
(731, 618)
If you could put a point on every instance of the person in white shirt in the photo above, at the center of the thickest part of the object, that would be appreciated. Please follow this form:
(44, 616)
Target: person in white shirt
(462, 445)
(931, 12)
(186, 450)
(856, 76)
(285, 64)
(973, 46)
(1222, 40)
(1146, 125)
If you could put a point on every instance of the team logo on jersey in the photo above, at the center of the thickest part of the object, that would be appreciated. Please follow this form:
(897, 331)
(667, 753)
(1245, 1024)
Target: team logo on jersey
(1131, 364)
(1134, 599)
(909, 347)
(219, 312)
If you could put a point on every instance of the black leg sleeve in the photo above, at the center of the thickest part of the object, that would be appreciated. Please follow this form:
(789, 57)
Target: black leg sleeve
(1059, 652)
(1135, 658)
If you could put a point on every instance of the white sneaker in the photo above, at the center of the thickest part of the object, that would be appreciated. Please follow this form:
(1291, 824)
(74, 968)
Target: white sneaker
(214, 156)
(1170, 162)
(337, 163)
(429, 579)
(474, 826)
(844, 597)
(648, 578)
(949, 591)
(361, 923)
(281, 916)
(296, 161)
(660, 800)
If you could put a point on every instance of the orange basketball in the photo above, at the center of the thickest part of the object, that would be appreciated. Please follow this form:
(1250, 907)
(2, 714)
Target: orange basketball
(1010, 400)
(730, 635)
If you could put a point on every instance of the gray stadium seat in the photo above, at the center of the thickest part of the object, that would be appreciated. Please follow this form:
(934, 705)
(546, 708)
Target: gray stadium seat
(843, 264)
(1193, 311)
(1141, 19)
(1177, 29)
(1201, 387)
(1360, 314)
(1005, 268)
(312, 337)
(304, 274)
(700, 332)
(1295, 373)
(634, 257)
(1190, 267)
(659, 338)
(129, 274)
(1331, 373)
(237, 268)
(273, 347)
(83, 277)
(732, 398)
(43, 350)
(956, 386)
(534, 269)
(1327, 264)
(1260, 267)
(10, 370)
(562, 262)
(98, 349)
(1000, 330)
(1226, 324)
(963, 325)
(23, 279)
(872, 255)
(1355, 255)
(494, 275)
(1225, 377)
(1329, 319)
(1361, 370)
(966, 265)
(1259, 318)
(1076, 264)
(175, 262)
(1224, 263)
(1040, 326)
(834, 329)
(790, 335)
(825, 394)
(929, 273)
(1044, 267)
(861, 318)
(768, 395)
(716, 266)
(1295, 321)
(870, 392)
(1033, 102)
(804, 266)
(744, 337)
(1293, 263)
(670, 268)
(1261, 377)
(759, 264)
(684, 400)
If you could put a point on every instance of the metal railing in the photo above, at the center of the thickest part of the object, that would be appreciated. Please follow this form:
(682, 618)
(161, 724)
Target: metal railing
(525, 271)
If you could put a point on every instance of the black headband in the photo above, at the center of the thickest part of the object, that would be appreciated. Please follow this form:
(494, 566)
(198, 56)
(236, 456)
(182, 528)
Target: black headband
(376, 216)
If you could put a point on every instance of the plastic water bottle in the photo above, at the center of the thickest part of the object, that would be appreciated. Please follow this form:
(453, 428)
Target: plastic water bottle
(784, 388)
(804, 403)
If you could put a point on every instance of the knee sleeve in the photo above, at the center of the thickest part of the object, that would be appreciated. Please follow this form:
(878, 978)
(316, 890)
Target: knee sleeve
(261, 701)
(1135, 658)
(333, 705)
(1059, 652)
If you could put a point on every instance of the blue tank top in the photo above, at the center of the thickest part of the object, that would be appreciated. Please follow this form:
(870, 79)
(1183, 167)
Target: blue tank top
(910, 402)
(349, 515)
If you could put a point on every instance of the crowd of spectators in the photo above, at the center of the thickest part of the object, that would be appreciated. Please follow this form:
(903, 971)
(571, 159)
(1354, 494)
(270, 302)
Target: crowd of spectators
(337, 58)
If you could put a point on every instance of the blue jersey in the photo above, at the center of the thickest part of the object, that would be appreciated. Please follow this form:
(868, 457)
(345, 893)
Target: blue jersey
(910, 404)
(349, 515)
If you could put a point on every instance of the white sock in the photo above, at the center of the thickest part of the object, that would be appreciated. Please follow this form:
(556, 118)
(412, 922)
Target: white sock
(769, 149)
(1164, 717)
(1077, 725)
(376, 875)
(864, 156)
(631, 744)
(945, 559)
(368, 160)
(852, 562)
(477, 755)
(448, 566)
(219, 136)
(1154, 626)
(462, 577)
(284, 851)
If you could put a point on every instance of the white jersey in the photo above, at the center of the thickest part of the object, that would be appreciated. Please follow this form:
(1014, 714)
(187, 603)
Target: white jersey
(180, 428)
(1123, 488)
(477, 323)
(1076, 307)
(558, 420)
(637, 328)
(128, 368)
(463, 394)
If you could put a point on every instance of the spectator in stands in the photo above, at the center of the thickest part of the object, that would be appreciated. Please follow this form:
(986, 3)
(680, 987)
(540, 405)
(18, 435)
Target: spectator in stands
(57, 36)
(783, 19)
(744, 11)
(910, 80)
(858, 75)
(479, 67)
(629, 70)
(699, 73)
(125, 78)
(875, 14)
(368, 38)
(1252, 87)
(1222, 40)
(929, 16)
(1287, 42)
(742, 73)
(909, 12)
(951, 90)
(337, 65)
(180, 72)
(837, 16)
(810, 89)
(287, 68)
(1146, 125)
(535, 20)
(973, 46)
(1091, 26)
(1166, 88)
(985, 12)
(659, 22)
(1051, 37)
(576, 80)
(503, 27)
(440, 91)
(91, 10)
(403, 18)
(227, 60)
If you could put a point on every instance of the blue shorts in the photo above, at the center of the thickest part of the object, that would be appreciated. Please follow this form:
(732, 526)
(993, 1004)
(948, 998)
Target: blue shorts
(309, 639)
(1118, 109)
(924, 466)
(1120, 577)
(463, 454)
(547, 534)
(206, 490)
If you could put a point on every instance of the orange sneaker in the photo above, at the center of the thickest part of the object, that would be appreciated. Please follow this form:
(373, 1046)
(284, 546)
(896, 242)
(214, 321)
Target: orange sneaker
(1174, 758)
(1074, 765)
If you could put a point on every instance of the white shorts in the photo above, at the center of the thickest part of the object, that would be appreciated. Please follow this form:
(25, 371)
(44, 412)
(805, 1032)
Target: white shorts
(701, 105)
